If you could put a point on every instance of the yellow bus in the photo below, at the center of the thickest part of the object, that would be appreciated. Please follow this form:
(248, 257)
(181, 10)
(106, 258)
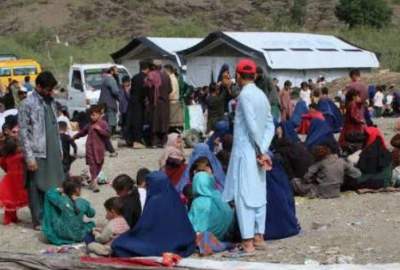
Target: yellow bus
(18, 70)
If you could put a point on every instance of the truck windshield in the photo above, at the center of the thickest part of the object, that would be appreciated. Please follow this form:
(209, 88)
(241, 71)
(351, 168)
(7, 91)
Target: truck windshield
(94, 77)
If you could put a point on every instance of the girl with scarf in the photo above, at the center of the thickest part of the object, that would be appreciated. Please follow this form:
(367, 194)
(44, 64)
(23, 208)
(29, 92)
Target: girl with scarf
(209, 213)
(354, 120)
(202, 150)
(172, 161)
(13, 195)
(374, 162)
(63, 215)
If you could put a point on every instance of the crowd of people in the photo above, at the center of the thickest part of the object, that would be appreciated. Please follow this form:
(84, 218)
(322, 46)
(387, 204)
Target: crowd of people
(236, 187)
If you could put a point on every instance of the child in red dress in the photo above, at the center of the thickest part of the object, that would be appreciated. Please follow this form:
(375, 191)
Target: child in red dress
(12, 190)
(97, 134)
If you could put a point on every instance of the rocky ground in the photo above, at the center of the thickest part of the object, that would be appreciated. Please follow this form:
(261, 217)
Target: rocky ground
(354, 228)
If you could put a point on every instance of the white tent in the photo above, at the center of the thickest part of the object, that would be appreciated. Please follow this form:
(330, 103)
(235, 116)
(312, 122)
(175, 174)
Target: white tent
(152, 48)
(286, 56)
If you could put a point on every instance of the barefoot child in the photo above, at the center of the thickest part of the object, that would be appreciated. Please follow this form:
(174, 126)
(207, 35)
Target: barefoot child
(125, 188)
(97, 135)
(64, 212)
(12, 192)
(116, 225)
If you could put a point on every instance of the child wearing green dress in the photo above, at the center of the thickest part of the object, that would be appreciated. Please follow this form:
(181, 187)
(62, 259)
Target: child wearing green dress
(64, 211)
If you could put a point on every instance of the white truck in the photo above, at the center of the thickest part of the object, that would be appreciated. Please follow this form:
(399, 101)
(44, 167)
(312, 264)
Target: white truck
(84, 83)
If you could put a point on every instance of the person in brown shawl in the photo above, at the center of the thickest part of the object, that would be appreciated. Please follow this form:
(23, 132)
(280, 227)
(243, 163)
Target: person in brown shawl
(159, 88)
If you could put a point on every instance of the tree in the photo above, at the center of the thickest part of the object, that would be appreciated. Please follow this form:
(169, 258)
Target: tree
(376, 13)
(298, 12)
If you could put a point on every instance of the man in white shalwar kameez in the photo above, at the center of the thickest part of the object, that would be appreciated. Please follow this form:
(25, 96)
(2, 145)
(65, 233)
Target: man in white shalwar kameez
(245, 182)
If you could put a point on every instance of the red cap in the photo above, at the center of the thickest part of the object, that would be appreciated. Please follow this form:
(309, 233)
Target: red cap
(246, 66)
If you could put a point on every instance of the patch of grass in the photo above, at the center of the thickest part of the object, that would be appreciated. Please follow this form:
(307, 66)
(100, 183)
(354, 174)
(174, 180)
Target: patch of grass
(383, 42)
(41, 45)
(187, 27)
(59, 57)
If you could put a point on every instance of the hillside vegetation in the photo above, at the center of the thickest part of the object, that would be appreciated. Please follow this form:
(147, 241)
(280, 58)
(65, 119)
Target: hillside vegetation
(58, 33)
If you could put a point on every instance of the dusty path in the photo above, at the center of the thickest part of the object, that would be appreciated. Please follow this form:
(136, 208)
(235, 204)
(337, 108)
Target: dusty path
(354, 228)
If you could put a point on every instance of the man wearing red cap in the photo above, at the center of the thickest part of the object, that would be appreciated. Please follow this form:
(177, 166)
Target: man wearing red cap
(246, 178)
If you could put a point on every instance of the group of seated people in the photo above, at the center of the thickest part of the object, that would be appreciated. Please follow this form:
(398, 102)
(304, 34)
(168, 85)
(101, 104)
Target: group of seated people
(176, 209)
(321, 166)
(180, 208)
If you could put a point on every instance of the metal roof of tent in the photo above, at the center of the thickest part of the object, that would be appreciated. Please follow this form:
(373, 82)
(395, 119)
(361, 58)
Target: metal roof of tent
(297, 51)
(166, 47)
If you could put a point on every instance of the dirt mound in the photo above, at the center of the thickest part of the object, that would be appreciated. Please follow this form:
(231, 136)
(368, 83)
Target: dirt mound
(377, 78)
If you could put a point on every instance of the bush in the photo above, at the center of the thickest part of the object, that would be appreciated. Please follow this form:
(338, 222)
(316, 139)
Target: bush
(375, 13)
(298, 12)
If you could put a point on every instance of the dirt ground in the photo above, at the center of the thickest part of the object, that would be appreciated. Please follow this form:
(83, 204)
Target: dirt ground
(353, 229)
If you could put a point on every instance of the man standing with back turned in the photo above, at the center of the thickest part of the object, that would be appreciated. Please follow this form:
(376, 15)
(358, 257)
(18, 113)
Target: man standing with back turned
(246, 178)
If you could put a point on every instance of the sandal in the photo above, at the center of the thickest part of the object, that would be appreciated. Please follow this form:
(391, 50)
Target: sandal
(239, 252)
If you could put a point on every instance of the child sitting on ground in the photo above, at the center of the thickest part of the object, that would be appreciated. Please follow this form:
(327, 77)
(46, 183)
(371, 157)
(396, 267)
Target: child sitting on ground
(67, 142)
(63, 214)
(325, 177)
(395, 142)
(12, 191)
(97, 135)
(125, 188)
(116, 226)
(201, 165)
(141, 183)
(209, 212)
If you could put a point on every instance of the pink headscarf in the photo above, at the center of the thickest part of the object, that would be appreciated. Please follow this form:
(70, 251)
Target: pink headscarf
(172, 149)
(154, 81)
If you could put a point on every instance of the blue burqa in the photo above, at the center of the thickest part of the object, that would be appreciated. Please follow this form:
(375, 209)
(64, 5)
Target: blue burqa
(331, 113)
(281, 219)
(202, 150)
(299, 110)
(221, 129)
(371, 91)
(163, 227)
(320, 133)
(289, 131)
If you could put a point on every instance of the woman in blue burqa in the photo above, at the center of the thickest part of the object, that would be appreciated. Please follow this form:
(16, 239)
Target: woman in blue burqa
(202, 150)
(299, 110)
(163, 227)
(321, 133)
(331, 113)
(281, 221)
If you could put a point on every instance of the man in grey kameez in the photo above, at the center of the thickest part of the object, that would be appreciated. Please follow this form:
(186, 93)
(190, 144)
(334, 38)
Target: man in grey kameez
(40, 143)
(109, 96)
